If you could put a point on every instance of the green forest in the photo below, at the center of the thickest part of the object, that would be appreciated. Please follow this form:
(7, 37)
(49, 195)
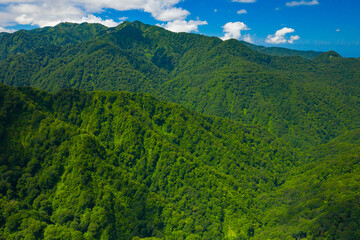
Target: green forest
(135, 132)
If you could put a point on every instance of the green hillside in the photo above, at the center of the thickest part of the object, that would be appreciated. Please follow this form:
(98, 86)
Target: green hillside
(63, 34)
(135, 132)
(320, 200)
(118, 165)
(304, 102)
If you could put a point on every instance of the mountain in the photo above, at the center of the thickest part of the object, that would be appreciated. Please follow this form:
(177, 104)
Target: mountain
(63, 34)
(320, 200)
(328, 57)
(282, 52)
(261, 147)
(118, 165)
(302, 101)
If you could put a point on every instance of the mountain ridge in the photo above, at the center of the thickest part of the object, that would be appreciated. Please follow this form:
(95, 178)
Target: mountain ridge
(120, 165)
(282, 52)
(261, 147)
(190, 69)
(64, 147)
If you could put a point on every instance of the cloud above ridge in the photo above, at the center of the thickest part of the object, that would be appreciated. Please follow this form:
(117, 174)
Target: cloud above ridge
(51, 12)
(279, 36)
(233, 30)
(183, 26)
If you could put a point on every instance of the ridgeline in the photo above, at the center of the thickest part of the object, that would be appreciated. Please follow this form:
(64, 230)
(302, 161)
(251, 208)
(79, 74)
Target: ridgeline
(136, 132)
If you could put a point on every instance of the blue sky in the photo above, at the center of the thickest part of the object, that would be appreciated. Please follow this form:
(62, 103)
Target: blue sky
(320, 25)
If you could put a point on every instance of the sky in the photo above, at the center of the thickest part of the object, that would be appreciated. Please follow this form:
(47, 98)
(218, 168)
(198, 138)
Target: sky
(320, 25)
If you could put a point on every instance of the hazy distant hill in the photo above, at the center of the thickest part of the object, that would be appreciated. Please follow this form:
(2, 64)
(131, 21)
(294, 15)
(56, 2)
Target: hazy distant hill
(282, 52)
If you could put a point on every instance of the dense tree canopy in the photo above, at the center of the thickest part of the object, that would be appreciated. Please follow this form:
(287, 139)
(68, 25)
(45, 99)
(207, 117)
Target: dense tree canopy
(118, 165)
(261, 147)
(306, 102)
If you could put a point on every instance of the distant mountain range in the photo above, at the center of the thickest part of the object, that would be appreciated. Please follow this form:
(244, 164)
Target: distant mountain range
(282, 52)
(305, 102)
(258, 143)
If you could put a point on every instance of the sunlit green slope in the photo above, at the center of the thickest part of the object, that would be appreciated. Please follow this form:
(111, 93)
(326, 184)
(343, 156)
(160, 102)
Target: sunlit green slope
(116, 165)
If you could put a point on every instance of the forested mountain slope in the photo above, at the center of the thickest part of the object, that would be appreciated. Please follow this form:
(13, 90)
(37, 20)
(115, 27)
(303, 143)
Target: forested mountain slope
(118, 165)
(63, 34)
(320, 199)
(304, 102)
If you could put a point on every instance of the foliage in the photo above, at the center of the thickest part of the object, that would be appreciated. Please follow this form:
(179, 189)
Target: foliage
(109, 165)
(280, 160)
(320, 200)
(304, 102)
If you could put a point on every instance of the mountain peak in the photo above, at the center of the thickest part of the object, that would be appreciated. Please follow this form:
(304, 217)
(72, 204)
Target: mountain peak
(134, 24)
(330, 55)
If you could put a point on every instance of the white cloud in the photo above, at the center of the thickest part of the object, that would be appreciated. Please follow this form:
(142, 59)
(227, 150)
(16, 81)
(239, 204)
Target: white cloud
(15, 1)
(302, 3)
(233, 30)
(163, 10)
(183, 26)
(248, 38)
(279, 36)
(293, 38)
(52, 12)
(7, 30)
(45, 15)
(242, 11)
(122, 18)
(93, 19)
(244, 1)
(338, 30)
(171, 14)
